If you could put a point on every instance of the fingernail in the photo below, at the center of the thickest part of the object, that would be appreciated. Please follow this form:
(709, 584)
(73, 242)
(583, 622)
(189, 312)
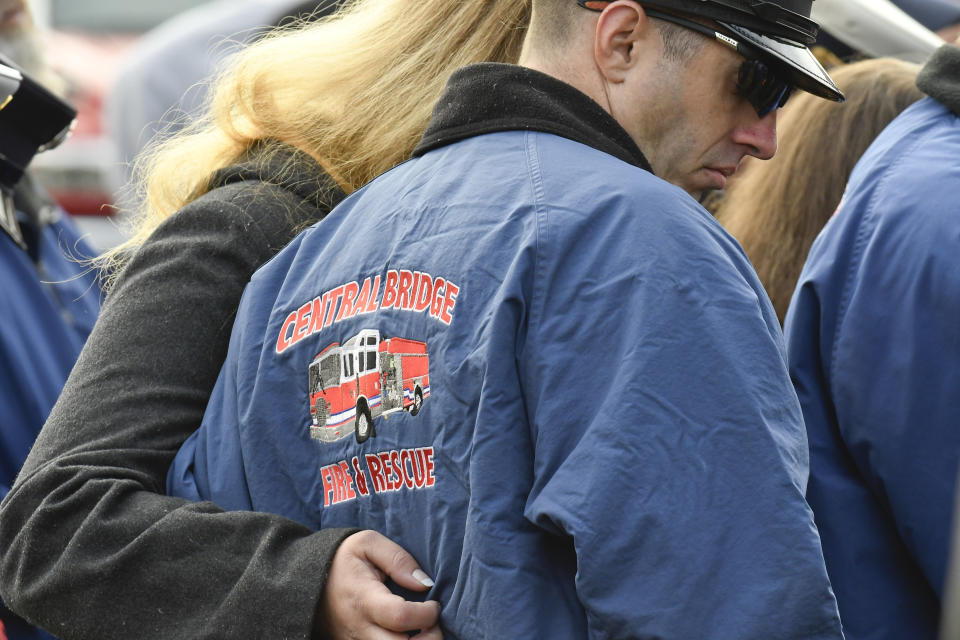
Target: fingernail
(422, 578)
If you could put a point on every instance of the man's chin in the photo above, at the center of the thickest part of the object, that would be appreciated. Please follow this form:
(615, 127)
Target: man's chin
(714, 179)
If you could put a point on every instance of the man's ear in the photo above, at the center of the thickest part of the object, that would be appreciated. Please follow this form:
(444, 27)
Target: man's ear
(624, 31)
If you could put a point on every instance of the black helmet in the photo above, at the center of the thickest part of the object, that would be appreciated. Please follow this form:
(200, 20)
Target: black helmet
(780, 29)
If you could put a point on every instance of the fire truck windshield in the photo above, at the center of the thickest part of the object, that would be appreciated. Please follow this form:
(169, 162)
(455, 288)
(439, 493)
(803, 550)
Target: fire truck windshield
(325, 373)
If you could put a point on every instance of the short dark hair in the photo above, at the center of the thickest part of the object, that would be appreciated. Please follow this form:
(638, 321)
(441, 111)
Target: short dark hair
(679, 43)
(552, 19)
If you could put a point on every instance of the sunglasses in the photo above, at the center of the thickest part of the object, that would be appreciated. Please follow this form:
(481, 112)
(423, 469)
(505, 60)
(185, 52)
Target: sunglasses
(757, 81)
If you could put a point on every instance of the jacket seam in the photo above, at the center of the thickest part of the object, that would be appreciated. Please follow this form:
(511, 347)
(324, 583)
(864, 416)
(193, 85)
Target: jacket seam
(865, 231)
(535, 173)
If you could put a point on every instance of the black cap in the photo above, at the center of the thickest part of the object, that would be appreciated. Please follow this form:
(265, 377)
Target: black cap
(781, 29)
(797, 60)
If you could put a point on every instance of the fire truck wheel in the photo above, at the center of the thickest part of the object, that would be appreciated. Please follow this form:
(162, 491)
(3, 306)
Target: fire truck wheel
(364, 426)
(417, 402)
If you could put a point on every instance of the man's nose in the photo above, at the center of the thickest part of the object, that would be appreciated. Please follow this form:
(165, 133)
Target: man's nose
(759, 136)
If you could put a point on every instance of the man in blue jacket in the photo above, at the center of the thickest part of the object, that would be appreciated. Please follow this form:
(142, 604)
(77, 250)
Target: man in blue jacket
(50, 300)
(537, 364)
(874, 344)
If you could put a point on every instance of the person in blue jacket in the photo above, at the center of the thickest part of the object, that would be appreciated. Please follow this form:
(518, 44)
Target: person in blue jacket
(874, 348)
(49, 297)
(536, 362)
(50, 300)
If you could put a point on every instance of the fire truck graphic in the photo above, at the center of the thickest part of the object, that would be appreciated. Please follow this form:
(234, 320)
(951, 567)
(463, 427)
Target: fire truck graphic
(366, 377)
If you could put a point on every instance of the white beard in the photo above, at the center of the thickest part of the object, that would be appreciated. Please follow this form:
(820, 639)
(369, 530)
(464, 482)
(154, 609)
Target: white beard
(24, 45)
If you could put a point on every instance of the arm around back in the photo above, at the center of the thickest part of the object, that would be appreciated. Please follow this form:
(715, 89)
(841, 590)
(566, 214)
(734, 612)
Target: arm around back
(91, 549)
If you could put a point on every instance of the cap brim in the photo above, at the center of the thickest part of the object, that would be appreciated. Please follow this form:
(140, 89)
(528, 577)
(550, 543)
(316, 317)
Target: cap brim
(806, 73)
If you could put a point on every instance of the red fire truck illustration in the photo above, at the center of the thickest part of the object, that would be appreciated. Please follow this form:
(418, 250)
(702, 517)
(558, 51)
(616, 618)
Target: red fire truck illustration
(366, 377)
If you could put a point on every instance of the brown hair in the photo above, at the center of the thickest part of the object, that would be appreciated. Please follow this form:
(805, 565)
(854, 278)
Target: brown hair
(777, 207)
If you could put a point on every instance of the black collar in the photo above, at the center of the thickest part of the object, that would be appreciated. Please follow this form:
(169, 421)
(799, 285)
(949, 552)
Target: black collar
(940, 77)
(282, 165)
(490, 97)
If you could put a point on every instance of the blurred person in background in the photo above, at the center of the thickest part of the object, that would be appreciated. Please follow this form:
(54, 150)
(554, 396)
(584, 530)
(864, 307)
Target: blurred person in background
(165, 77)
(776, 208)
(868, 28)
(90, 546)
(873, 340)
(49, 295)
(940, 16)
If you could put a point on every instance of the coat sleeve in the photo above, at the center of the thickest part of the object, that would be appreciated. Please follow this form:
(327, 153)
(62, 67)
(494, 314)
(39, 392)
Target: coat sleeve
(895, 393)
(669, 445)
(91, 548)
(190, 474)
(210, 464)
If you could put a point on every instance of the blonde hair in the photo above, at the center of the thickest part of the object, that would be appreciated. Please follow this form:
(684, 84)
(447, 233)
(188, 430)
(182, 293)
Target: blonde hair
(354, 91)
(777, 207)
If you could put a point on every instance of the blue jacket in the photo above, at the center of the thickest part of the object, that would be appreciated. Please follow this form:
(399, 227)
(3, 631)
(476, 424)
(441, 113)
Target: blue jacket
(49, 302)
(606, 443)
(873, 337)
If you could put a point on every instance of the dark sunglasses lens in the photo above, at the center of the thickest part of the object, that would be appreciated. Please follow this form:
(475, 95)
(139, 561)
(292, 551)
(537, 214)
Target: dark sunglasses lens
(761, 87)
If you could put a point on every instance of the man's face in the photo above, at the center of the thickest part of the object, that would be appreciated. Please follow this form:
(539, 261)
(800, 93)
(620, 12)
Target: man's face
(690, 121)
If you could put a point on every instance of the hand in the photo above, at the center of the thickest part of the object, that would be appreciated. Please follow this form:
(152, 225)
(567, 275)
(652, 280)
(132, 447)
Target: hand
(357, 605)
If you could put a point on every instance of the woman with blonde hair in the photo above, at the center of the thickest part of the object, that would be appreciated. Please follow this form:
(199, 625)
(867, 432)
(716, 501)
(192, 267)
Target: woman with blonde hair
(90, 547)
(777, 207)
